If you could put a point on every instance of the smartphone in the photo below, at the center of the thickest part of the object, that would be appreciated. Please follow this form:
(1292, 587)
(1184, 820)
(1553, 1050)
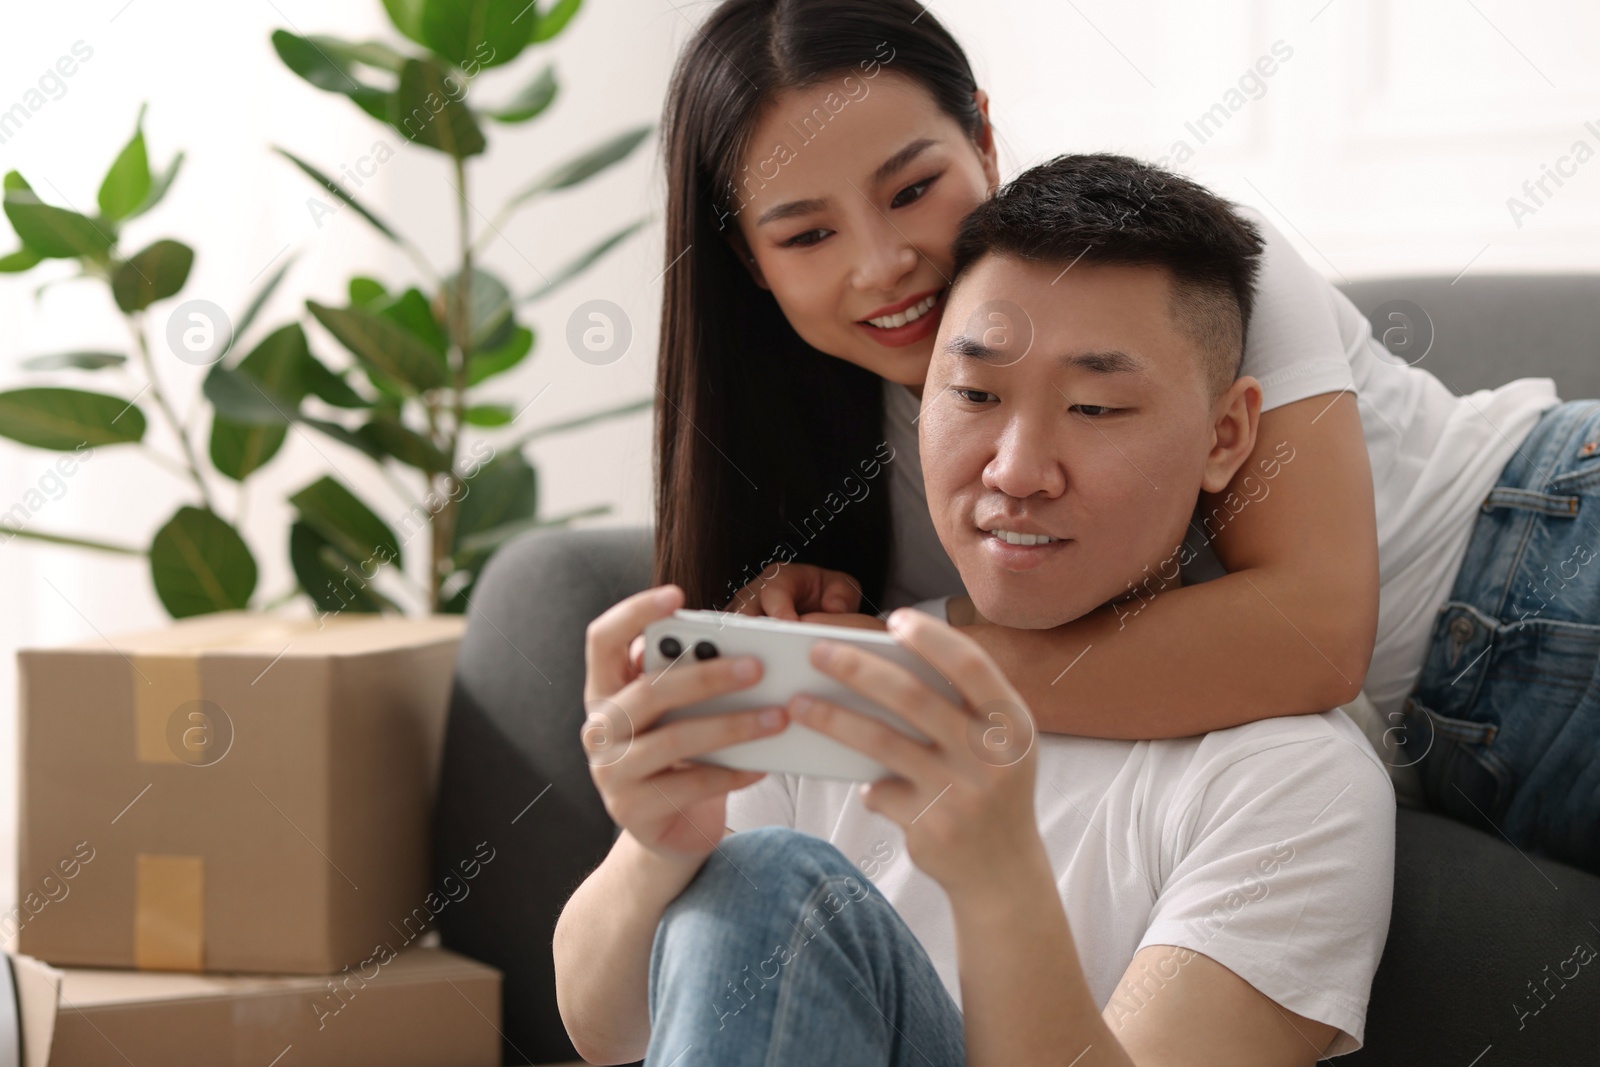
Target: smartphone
(784, 649)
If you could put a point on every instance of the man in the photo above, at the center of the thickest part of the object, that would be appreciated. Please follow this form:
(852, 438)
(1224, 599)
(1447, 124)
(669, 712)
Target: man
(1006, 897)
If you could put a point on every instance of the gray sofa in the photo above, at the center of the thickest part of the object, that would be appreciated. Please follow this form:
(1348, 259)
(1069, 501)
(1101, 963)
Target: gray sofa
(1475, 926)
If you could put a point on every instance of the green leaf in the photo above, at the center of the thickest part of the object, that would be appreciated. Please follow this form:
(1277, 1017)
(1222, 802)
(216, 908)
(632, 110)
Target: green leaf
(345, 437)
(586, 165)
(488, 414)
(575, 267)
(407, 18)
(555, 20)
(411, 310)
(364, 291)
(239, 451)
(159, 187)
(277, 368)
(127, 183)
(334, 189)
(63, 419)
(488, 363)
(75, 361)
(22, 259)
(335, 513)
(331, 579)
(488, 307)
(389, 436)
(332, 72)
(240, 399)
(259, 301)
(200, 564)
(154, 274)
(374, 54)
(530, 101)
(384, 346)
(331, 388)
(506, 489)
(55, 232)
(430, 108)
(475, 34)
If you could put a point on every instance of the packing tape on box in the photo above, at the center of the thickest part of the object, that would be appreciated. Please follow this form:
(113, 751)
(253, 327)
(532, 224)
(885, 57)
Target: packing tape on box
(169, 913)
(169, 891)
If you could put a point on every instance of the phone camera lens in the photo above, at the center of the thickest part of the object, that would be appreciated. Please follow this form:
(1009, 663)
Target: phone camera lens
(670, 647)
(704, 650)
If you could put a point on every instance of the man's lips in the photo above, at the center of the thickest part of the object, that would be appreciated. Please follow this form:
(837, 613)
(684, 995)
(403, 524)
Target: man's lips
(1021, 557)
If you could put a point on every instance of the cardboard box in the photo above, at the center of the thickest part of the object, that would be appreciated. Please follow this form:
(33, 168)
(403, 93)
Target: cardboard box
(230, 793)
(425, 1007)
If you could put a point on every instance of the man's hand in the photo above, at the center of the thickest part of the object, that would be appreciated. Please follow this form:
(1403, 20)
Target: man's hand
(965, 799)
(786, 590)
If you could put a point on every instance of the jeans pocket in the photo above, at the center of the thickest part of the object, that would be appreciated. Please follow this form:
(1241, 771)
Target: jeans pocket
(1461, 774)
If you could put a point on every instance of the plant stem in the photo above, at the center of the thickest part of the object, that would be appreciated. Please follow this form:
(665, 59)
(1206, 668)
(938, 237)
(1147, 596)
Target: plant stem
(444, 524)
(136, 327)
(78, 542)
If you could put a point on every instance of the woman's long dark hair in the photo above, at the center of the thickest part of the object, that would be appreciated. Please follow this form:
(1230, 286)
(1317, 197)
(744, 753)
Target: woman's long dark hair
(756, 431)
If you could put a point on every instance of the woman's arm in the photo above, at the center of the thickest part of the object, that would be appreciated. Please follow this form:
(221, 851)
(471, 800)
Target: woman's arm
(1289, 629)
(672, 813)
(602, 949)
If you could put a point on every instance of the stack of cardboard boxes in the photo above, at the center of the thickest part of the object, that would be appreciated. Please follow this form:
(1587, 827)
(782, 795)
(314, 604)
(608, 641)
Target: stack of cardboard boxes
(223, 853)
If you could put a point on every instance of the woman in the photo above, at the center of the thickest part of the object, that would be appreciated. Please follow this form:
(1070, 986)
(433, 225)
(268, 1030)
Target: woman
(820, 156)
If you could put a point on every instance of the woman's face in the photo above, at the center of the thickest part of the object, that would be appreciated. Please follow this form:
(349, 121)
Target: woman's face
(848, 201)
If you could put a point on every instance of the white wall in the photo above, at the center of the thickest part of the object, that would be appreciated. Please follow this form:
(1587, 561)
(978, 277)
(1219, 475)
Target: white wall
(1388, 141)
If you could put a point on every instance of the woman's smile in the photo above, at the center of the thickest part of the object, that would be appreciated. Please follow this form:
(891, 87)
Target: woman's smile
(907, 321)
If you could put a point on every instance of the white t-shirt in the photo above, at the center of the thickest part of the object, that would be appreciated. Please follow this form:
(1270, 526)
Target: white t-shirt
(1268, 847)
(1434, 456)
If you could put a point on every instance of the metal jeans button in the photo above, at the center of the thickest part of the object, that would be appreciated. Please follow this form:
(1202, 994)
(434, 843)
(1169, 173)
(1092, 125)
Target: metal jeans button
(1462, 629)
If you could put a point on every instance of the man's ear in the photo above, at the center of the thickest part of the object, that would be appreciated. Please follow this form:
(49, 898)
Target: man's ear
(741, 252)
(985, 142)
(1236, 414)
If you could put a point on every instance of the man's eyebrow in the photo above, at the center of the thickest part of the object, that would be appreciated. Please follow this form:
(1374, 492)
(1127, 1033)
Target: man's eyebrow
(1112, 361)
(901, 159)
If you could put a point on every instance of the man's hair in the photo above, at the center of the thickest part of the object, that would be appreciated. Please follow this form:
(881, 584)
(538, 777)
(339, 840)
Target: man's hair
(1106, 208)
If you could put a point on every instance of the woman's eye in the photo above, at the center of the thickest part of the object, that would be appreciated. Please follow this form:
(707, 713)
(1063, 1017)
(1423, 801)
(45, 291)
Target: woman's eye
(804, 240)
(911, 193)
(1092, 410)
(975, 396)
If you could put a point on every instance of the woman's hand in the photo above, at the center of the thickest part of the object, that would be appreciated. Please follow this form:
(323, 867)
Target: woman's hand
(672, 807)
(853, 619)
(965, 799)
(786, 590)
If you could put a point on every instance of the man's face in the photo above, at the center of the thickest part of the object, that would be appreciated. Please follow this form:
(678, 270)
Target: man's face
(1065, 403)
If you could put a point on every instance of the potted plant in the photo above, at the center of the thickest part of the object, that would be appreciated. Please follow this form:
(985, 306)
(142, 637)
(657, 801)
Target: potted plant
(418, 352)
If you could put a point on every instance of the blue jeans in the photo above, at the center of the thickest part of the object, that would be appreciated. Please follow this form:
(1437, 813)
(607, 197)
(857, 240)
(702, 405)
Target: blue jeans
(1507, 707)
(780, 952)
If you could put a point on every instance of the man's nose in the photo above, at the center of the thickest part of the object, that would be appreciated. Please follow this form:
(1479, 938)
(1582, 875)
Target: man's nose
(1026, 462)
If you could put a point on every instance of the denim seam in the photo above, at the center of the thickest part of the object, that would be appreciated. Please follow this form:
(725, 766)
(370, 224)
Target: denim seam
(774, 1042)
(1538, 474)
